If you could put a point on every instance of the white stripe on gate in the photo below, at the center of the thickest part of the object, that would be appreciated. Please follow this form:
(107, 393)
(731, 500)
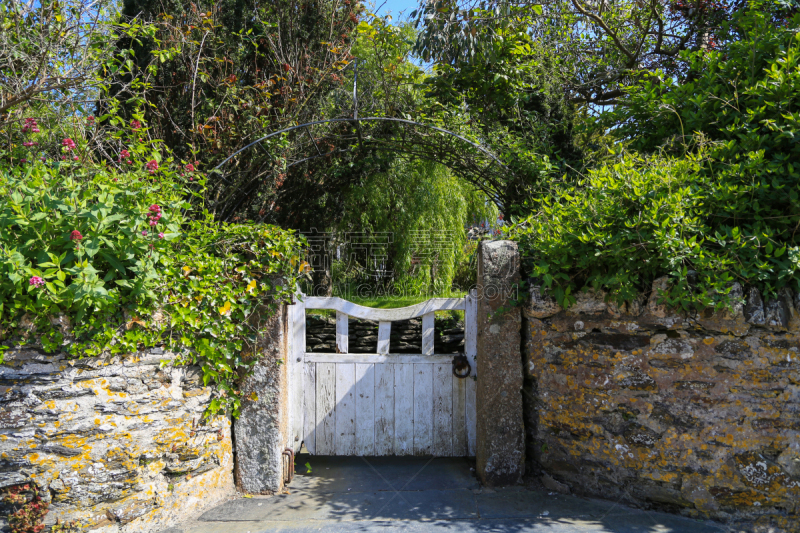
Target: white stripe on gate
(403, 409)
(326, 402)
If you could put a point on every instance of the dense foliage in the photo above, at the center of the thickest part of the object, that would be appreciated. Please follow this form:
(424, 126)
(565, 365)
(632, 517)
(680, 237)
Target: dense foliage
(628, 141)
(112, 260)
(707, 190)
(227, 72)
(423, 209)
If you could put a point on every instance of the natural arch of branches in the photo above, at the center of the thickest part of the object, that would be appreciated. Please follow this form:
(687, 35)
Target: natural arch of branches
(294, 162)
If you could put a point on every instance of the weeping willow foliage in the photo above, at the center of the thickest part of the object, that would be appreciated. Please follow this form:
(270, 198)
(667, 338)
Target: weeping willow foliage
(426, 209)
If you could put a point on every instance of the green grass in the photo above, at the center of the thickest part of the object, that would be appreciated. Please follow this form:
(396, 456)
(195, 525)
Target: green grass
(393, 302)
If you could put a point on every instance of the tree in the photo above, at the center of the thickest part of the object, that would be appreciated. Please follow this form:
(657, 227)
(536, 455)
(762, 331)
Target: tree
(425, 209)
(600, 46)
(51, 50)
(230, 71)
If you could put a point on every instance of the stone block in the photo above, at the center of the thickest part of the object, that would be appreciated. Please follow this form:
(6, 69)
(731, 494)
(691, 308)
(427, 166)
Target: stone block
(540, 304)
(500, 431)
(754, 308)
(261, 428)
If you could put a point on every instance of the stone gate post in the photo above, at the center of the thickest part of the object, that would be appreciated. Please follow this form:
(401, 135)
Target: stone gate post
(500, 432)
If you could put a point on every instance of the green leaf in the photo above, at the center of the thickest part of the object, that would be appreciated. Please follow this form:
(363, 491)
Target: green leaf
(115, 264)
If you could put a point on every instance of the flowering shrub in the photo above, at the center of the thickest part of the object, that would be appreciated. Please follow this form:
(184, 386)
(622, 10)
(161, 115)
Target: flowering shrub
(116, 254)
(70, 241)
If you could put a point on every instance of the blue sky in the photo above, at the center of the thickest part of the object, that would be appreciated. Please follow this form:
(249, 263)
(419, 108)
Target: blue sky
(396, 7)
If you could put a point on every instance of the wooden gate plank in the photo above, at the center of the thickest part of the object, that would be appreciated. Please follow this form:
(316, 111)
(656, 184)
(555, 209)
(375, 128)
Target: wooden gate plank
(428, 333)
(384, 409)
(296, 371)
(471, 351)
(375, 358)
(345, 409)
(442, 410)
(342, 344)
(459, 420)
(423, 409)
(403, 409)
(384, 335)
(310, 401)
(365, 409)
(326, 409)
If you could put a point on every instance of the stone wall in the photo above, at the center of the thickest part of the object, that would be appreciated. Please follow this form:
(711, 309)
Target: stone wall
(117, 444)
(406, 335)
(695, 414)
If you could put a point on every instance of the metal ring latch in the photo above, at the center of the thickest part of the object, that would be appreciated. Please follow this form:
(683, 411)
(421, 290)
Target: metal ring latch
(288, 475)
(461, 366)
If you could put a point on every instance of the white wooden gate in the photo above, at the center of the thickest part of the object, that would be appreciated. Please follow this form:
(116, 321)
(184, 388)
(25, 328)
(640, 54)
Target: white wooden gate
(381, 403)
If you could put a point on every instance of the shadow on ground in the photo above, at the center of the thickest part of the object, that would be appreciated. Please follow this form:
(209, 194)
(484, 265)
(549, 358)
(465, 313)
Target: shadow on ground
(376, 494)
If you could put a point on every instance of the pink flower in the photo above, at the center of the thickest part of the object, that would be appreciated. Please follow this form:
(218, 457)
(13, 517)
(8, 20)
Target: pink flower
(90, 118)
(135, 125)
(30, 124)
(75, 158)
(161, 235)
(75, 235)
(191, 179)
(23, 160)
(68, 143)
(152, 166)
(144, 232)
(153, 222)
(124, 155)
(36, 281)
(155, 208)
(190, 167)
(28, 145)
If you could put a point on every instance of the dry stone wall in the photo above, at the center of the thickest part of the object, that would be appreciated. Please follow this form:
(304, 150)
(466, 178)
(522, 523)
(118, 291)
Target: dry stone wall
(695, 414)
(116, 444)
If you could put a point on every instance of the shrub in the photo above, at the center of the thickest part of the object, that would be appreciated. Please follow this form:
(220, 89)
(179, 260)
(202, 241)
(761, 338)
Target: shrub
(76, 237)
(114, 252)
(644, 217)
(713, 195)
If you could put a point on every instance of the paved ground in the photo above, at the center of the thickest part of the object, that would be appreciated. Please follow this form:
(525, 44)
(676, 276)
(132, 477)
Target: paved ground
(422, 495)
